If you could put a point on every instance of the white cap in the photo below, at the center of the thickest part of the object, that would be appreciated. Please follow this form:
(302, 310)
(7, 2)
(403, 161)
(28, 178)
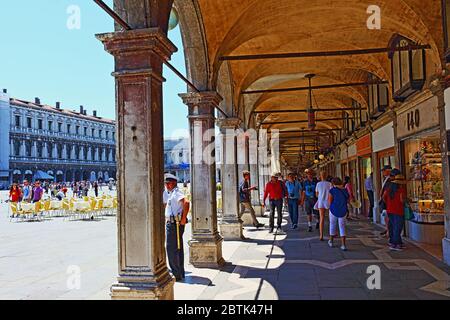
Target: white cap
(169, 176)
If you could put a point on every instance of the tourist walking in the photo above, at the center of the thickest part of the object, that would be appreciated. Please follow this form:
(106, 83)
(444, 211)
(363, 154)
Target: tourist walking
(38, 191)
(309, 198)
(322, 191)
(27, 191)
(338, 199)
(349, 187)
(368, 184)
(15, 193)
(176, 211)
(294, 189)
(394, 197)
(274, 190)
(95, 188)
(386, 172)
(245, 190)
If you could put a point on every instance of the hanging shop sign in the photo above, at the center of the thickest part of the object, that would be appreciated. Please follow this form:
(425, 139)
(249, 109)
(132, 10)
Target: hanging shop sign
(421, 117)
(383, 138)
(364, 145)
(352, 152)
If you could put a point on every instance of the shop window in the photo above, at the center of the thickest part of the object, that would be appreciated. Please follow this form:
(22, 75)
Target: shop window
(378, 97)
(446, 27)
(408, 68)
(424, 175)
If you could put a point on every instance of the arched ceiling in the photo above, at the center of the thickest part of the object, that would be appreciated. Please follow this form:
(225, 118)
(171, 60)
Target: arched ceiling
(251, 27)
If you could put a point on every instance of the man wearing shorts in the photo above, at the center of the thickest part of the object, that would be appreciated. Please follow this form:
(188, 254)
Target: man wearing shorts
(309, 198)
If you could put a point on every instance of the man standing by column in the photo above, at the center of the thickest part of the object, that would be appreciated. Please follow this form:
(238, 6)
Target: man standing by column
(176, 210)
(293, 189)
(368, 183)
(274, 190)
(245, 198)
(309, 198)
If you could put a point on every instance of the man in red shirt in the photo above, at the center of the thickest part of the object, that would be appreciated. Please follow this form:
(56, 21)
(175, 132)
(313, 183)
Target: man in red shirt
(276, 192)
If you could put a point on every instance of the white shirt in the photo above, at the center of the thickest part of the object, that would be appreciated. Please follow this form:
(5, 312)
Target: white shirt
(323, 189)
(172, 199)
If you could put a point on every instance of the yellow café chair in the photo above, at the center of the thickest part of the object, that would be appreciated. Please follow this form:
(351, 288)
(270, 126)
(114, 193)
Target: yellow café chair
(16, 213)
(65, 210)
(46, 207)
(38, 209)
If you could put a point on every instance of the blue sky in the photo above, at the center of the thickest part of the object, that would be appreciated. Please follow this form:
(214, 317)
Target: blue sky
(41, 57)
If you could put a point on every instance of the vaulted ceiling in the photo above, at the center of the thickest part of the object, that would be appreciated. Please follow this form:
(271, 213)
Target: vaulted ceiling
(257, 27)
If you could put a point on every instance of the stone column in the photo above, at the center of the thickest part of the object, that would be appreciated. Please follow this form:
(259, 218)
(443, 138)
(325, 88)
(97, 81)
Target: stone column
(139, 54)
(231, 224)
(263, 163)
(254, 171)
(243, 153)
(443, 94)
(206, 243)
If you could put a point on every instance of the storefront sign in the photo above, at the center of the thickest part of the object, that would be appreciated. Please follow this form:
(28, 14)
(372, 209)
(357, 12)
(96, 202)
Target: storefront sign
(364, 145)
(352, 151)
(421, 117)
(383, 138)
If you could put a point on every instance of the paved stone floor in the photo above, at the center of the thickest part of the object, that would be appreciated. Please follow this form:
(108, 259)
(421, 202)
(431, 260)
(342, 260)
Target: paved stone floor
(36, 261)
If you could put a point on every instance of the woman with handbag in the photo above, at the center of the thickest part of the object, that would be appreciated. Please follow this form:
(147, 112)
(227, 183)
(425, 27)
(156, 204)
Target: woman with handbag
(394, 198)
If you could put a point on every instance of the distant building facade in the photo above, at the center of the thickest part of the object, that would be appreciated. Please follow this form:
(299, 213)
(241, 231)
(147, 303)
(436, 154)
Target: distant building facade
(177, 158)
(68, 145)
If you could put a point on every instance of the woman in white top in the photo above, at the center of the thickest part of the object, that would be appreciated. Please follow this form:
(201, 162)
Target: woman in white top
(322, 191)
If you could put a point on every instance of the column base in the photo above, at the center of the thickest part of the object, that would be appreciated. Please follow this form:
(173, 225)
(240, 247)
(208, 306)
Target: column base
(143, 290)
(206, 253)
(247, 220)
(231, 230)
(446, 250)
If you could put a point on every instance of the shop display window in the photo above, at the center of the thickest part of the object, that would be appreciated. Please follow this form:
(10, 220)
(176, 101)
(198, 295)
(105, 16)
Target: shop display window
(424, 174)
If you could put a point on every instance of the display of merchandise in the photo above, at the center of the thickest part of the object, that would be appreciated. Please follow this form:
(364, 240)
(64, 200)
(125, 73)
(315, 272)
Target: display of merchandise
(424, 175)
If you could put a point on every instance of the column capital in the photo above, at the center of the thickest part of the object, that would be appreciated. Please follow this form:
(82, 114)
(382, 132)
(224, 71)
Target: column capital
(201, 99)
(137, 42)
(229, 123)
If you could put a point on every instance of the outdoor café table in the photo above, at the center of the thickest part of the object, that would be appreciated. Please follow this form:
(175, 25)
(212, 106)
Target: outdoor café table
(81, 205)
(107, 203)
(55, 204)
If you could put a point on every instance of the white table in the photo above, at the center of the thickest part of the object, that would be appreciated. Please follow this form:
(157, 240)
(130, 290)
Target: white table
(81, 205)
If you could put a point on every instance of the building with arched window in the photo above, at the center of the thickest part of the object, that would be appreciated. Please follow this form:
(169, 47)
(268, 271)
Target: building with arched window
(68, 145)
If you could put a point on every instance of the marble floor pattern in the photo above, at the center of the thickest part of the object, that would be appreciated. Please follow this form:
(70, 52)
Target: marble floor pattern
(37, 260)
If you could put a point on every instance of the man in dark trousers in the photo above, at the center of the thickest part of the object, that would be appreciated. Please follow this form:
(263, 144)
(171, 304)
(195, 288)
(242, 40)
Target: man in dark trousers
(176, 211)
(245, 198)
(275, 190)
